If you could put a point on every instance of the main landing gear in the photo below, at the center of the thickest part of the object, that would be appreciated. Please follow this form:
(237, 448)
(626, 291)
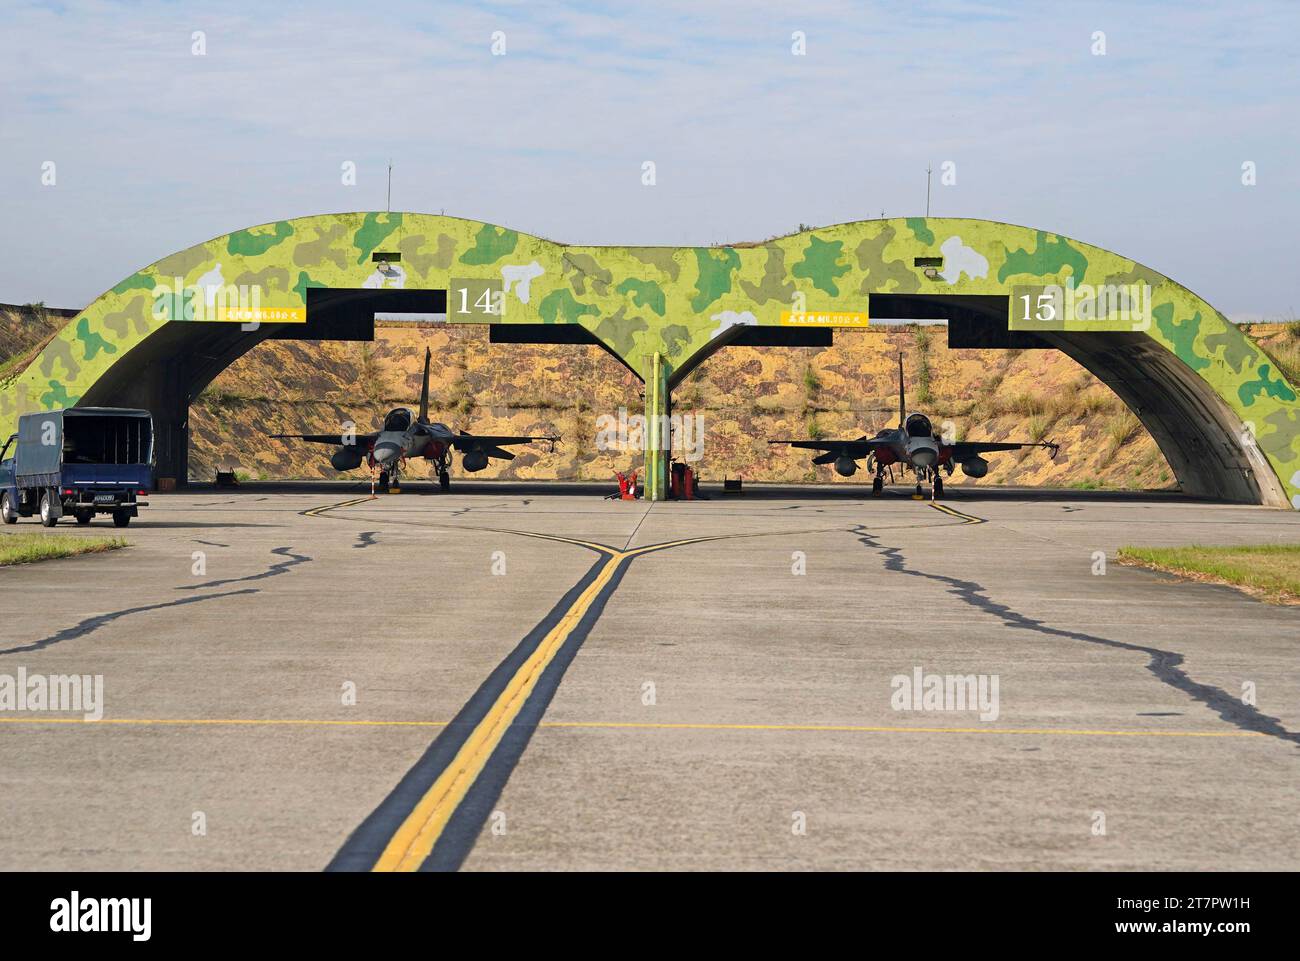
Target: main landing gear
(923, 474)
(441, 464)
(877, 482)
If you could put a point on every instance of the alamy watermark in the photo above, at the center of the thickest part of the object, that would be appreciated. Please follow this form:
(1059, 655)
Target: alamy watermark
(1052, 306)
(76, 914)
(946, 692)
(682, 433)
(202, 302)
(74, 693)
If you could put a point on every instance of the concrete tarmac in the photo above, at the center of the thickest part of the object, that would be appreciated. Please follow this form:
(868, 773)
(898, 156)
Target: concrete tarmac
(522, 677)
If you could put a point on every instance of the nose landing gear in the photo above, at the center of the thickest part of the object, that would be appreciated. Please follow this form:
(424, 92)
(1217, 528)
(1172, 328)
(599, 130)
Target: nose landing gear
(389, 479)
(932, 475)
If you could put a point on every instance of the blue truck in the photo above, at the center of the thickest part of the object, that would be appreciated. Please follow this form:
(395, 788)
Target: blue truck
(81, 461)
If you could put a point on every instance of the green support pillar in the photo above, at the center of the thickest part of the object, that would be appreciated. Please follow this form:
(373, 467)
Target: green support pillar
(656, 419)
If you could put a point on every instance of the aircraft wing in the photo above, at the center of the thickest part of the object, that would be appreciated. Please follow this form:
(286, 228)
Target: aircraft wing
(961, 451)
(358, 440)
(857, 449)
(493, 444)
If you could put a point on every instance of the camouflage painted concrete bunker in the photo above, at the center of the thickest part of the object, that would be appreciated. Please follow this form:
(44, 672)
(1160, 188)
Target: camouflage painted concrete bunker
(1226, 420)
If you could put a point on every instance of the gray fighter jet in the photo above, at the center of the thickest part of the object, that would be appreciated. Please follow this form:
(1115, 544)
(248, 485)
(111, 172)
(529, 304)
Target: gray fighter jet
(407, 434)
(913, 445)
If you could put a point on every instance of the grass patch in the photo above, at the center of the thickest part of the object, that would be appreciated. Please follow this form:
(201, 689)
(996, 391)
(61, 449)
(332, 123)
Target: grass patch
(1283, 350)
(1027, 404)
(29, 548)
(369, 376)
(24, 333)
(811, 382)
(923, 393)
(1120, 429)
(1285, 356)
(1037, 427)
(1090, 403)
(1269, 570)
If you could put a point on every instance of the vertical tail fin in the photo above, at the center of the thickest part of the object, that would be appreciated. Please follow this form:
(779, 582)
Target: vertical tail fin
(424, 391)
(902, 397)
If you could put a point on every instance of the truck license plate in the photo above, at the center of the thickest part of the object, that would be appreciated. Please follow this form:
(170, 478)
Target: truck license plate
(105, 498)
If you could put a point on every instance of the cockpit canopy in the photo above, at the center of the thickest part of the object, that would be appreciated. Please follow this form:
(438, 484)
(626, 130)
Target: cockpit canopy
(918, 425)
(399, 419)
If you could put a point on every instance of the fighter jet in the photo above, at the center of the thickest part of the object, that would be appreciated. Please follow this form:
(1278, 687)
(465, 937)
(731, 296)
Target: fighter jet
(914, 446)
(407, 434)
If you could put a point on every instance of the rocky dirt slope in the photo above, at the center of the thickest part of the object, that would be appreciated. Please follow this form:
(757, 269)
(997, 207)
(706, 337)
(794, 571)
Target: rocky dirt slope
(742, 397)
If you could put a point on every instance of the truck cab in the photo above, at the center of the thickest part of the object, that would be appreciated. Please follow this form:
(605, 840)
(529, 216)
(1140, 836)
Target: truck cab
(81, 461)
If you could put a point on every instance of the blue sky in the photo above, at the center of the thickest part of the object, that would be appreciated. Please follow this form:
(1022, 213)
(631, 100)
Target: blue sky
(1139, 150)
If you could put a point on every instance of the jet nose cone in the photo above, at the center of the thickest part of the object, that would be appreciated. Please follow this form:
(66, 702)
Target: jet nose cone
(925, 457)
(385, 454)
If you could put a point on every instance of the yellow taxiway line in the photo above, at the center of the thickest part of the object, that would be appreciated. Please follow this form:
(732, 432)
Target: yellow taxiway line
(317, 511)
(413, 841)
(966, 518)
(415, 838)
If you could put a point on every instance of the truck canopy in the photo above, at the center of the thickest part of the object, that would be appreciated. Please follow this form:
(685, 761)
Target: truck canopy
(48, 440)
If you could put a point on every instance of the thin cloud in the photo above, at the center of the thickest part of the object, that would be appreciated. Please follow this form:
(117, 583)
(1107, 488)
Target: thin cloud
(1139, 150)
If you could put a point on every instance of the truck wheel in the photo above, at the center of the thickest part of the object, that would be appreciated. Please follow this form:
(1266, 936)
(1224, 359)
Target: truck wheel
(83, 517)
(444, 481)
(121, 518)
(47, 510)
(7, 512)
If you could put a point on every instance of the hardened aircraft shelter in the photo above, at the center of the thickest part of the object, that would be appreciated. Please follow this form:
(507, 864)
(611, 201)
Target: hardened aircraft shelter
(1226, 420)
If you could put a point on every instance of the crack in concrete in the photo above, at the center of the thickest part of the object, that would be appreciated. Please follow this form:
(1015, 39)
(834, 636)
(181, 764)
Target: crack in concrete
(91, 624)
(466, 510)
(1166, 666)
(272, 571)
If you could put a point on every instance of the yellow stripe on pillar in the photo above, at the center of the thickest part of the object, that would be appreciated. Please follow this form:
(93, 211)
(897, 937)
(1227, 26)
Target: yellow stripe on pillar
(656, 416)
